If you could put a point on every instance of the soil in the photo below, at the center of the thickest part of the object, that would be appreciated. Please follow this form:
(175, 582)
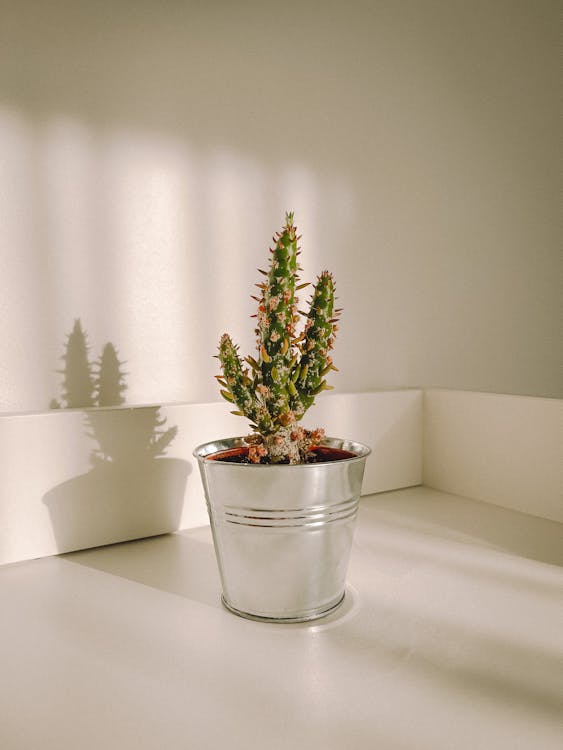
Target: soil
(319, 454)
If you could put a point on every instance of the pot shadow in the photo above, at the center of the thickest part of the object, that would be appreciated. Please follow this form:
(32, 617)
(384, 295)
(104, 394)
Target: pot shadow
(132, 490)
(182, 564)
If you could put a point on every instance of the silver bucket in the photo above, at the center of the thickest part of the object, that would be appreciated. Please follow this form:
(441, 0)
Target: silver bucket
(282, 534)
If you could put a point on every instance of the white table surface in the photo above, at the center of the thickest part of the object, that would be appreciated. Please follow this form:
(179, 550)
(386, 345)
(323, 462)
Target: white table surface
(451, 636)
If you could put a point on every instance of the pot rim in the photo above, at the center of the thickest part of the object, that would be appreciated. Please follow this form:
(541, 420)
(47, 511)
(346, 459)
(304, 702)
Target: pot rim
(204, 451)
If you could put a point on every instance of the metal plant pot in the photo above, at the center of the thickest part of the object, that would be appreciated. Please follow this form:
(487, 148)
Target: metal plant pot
(282, 534)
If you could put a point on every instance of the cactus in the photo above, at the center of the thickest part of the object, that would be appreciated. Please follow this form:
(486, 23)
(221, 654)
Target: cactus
(274, 389)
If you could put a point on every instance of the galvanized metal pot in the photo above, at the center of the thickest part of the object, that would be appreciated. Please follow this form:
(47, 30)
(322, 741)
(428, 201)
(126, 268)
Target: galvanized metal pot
(282, 534)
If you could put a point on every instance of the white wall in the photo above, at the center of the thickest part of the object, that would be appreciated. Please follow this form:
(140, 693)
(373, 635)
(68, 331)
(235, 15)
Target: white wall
(148, 151)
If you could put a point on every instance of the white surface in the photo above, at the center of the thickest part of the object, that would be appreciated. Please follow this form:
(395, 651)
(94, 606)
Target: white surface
(53, 499)
(144, 169)
(503, 449)
(450, 637)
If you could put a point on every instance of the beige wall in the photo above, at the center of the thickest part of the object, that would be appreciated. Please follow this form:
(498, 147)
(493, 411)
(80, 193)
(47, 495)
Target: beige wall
(149, 149)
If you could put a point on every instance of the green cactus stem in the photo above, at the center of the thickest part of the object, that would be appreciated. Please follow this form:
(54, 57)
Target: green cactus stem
(278, 386)
(318, 340)
(238, 388)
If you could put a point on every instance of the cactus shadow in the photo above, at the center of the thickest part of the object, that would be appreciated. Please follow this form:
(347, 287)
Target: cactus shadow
(132, 489)
(87, 383)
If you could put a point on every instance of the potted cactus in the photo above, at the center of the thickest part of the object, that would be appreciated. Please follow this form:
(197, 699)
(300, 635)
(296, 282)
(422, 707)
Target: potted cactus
(282, 501)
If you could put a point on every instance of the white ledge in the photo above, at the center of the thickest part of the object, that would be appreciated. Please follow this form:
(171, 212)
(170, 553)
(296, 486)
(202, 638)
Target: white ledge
(56, 495)
(507, 450)
(502, 449)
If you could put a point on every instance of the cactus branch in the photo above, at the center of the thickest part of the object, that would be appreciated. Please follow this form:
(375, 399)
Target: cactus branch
(290, 367)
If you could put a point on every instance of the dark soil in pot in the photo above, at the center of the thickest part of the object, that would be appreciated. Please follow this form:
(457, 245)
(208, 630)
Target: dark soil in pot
(319, 454)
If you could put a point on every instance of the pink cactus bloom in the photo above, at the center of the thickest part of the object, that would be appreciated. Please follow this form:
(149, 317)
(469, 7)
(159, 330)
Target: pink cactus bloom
(255, 453)
(297, 434)
(317, 435)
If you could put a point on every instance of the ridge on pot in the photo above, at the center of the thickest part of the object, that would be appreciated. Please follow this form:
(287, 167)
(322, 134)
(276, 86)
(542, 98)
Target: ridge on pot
(282, 518)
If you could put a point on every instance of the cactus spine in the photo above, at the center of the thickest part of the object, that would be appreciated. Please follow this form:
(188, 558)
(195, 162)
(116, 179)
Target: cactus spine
(275, 389)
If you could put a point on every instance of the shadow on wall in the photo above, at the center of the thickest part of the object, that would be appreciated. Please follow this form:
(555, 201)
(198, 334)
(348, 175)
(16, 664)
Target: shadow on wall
(132, 490)
(87, 384)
